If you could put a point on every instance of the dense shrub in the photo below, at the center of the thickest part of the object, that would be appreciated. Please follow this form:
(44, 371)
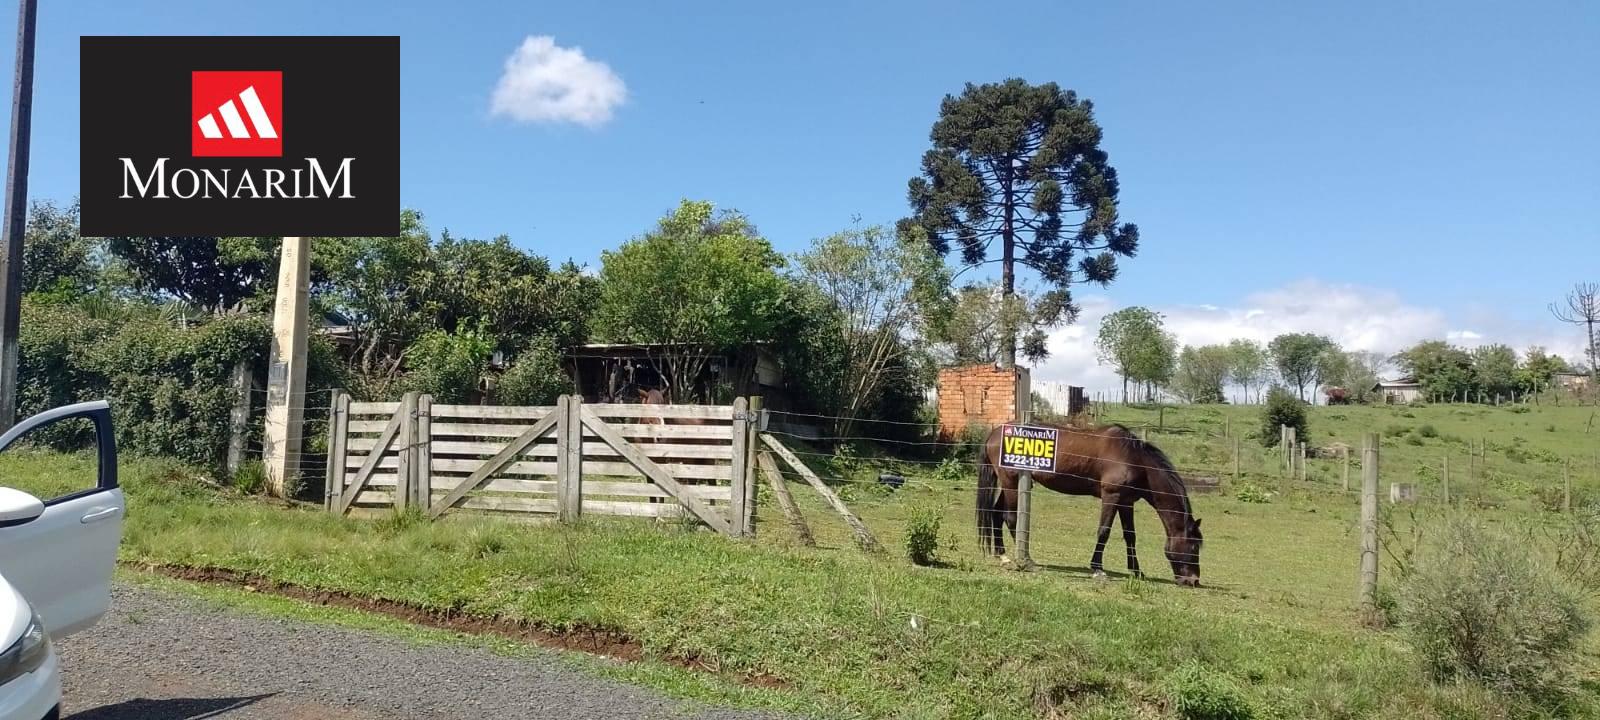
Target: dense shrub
(922, 536)
(535, 378)
(1252, 493)
(1197, 693)
(449, 366)
(1428, 431)
(1282, 408)
(1478, 606)
(169, 385)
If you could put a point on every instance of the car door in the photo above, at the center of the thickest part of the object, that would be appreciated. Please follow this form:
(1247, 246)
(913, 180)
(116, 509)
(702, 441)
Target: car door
(62, 560)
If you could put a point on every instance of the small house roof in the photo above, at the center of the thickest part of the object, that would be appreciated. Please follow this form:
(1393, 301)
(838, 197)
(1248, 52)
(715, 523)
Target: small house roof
(1396, 384)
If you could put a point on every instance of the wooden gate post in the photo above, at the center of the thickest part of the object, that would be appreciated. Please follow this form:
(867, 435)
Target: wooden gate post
(422, 482)
(752, 449)
(405, 450)
(569, 458)
(1369, 528)
(338, 452)
(739, 492)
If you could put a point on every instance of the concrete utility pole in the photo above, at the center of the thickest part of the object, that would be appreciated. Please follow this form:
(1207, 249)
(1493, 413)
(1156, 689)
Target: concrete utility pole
(286, 373)
(16, 212)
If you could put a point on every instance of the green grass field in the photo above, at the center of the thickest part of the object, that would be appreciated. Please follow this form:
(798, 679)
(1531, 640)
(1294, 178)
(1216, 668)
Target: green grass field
(850, 635)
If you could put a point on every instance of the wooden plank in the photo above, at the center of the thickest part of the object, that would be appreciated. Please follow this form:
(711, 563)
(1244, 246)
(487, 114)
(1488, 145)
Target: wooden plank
(593, 448)
(374, 408)
(511, 450)
(424, 467)
(681, 432)
(492, 412)
(656, 474)
(337, 453)
(780, 490)
(863, 535)
(371, 462)
(406, 452)
(639, 410)
(741, 435)
(603, 468)
(634, 509)
(591, 488)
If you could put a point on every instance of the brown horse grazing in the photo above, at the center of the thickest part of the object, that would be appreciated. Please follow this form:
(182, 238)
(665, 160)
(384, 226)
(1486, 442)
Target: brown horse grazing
(1108, 462)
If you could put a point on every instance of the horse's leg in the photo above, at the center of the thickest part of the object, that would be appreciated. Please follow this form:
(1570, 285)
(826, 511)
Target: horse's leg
(1108, 511)
(1125, 516)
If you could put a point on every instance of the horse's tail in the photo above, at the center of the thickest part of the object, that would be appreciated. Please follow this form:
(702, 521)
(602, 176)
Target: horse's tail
(988, 506)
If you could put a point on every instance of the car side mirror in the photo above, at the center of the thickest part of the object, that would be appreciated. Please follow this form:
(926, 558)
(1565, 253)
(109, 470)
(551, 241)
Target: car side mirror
(18, 507)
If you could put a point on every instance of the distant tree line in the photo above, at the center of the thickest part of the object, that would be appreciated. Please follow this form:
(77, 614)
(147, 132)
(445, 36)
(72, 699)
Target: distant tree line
(1149, 361)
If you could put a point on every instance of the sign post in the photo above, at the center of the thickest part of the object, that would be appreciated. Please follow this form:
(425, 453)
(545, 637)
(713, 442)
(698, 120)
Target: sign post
(1027, 449)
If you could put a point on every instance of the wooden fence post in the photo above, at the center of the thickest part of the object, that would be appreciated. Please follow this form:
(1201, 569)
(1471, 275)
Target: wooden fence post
(1024, 529)
(1447, 480)
(1369, 528)
(338, 428)
(1236, 453)
(405, 448)
(1566, 486)
(1344, 458)
(1301, 468)
(569, 458)
(738, 497)
(423, 484)
(752, 447)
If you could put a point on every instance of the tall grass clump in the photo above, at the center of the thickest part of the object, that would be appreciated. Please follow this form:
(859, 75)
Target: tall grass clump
(922, 535)
(1197, 693)
(1478, 606)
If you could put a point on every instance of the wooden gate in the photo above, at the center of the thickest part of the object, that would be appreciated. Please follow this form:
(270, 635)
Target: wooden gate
(560, 461)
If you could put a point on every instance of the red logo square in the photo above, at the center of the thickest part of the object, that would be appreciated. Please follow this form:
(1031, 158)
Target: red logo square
(236, 113)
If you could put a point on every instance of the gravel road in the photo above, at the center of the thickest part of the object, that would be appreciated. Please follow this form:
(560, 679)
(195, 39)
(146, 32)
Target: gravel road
(161, 656)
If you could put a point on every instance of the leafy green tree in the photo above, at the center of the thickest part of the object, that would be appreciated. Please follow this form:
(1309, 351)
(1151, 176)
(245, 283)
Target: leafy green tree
(701, 282)
(214, 274)
(535, 377)
(449, 366)
(1443, 369)
(1201, 373)
(55, 258)
(1282, 408)
(971, 334)
(888, 292)
(1363, 370)
(1249, 365)
(1133, 342)
(1538, 368)
(1301, 359)
(1495, 369)
(394, 290)
(1022, 165)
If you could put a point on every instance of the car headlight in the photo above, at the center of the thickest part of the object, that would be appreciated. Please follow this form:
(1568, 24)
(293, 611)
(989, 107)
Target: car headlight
(27, 653)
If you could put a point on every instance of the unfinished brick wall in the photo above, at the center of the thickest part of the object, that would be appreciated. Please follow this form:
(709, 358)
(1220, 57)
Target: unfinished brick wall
(978, 394)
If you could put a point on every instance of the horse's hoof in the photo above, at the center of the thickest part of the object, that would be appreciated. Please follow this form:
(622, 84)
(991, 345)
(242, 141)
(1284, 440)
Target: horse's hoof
(1137, 575)
(1005, 561)
(1098, 574)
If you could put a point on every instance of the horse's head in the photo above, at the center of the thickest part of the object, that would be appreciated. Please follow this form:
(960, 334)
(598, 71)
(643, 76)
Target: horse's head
(1183, 551)
(652, 397)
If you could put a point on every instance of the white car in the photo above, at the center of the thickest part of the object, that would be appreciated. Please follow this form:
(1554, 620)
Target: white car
(56, 560)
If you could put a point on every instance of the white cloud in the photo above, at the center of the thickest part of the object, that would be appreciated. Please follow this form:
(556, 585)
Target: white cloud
(1357, 318)
(544, 82)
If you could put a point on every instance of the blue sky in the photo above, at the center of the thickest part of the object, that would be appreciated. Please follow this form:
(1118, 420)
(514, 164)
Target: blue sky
(1427, 160)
